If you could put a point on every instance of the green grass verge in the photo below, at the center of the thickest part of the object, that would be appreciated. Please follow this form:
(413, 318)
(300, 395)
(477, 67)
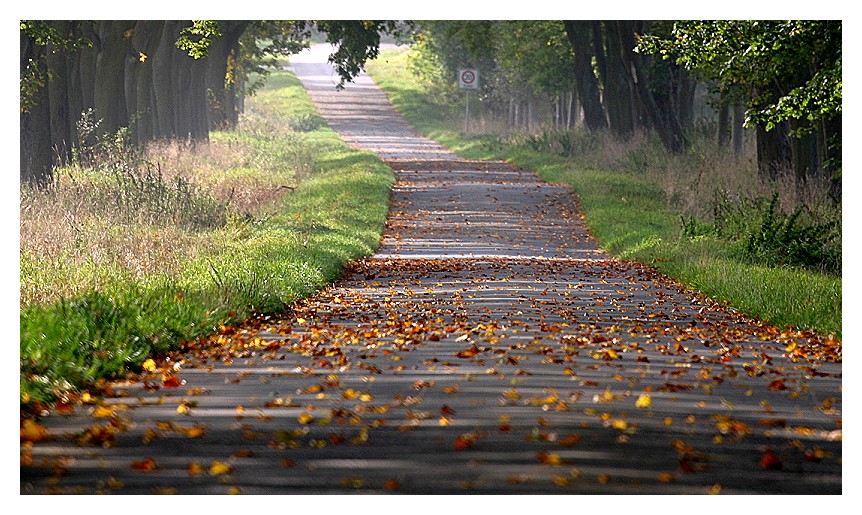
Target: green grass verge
(631, 217)
(336, 214)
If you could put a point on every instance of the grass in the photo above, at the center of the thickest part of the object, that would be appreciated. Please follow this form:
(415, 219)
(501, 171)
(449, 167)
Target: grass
(105, 285)
(634, 196)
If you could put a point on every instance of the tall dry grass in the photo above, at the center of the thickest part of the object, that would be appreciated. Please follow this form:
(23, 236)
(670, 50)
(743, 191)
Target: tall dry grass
(691, 181)
(121, 214)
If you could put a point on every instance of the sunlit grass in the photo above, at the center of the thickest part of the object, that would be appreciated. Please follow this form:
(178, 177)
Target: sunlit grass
(99, 295)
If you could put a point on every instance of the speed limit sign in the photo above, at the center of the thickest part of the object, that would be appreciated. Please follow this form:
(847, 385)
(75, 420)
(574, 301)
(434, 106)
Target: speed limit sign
(468, 78)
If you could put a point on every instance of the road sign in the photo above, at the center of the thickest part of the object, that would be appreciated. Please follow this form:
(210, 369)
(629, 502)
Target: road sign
(468, 78)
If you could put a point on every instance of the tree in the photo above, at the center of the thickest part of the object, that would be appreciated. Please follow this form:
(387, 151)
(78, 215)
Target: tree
(790, 72)
(578, 32)
(161, 79)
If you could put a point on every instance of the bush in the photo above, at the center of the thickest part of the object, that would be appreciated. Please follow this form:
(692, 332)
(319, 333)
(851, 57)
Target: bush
(305, 122)
(767, 234)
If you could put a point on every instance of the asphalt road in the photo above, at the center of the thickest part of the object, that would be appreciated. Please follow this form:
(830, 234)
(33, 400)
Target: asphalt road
(489, 347)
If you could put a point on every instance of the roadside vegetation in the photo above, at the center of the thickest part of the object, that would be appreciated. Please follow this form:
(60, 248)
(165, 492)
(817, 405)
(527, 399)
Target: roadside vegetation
(129, 253)
(703, 217)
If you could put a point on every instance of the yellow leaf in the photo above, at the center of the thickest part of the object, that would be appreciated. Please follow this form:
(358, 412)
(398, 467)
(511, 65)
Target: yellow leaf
(666, 477)
(620, 424)
(305, 418)
(560, 480)
(114, 484)
(103, 411)
(142, 57)
(219, 468)
(33, 431)
(195, 469)
(550, 458)
(149, 435)
(234, 490)
(644, 401)
(192, 432)
(149, 365)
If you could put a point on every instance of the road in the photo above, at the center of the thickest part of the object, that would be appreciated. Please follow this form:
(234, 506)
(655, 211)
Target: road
(488, 347)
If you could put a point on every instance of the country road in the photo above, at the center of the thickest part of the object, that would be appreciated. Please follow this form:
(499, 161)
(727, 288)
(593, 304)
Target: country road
(489, 346)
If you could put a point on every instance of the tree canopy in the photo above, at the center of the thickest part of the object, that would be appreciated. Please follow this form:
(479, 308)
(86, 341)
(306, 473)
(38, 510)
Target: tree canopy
(180, 79)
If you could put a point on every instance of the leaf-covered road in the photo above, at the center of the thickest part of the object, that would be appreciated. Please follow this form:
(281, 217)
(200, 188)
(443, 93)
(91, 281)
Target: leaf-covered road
(489, 346)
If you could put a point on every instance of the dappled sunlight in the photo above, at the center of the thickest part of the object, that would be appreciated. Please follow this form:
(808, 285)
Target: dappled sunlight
(488, 346)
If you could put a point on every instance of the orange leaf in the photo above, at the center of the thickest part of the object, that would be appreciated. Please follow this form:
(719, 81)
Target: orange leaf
(548, 458)
(778, 384)
(570, 440)
(172, 381)
(145, 465)
(33, 432)
(463, 443)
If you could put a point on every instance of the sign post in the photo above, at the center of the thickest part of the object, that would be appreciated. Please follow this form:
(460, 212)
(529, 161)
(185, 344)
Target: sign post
(468, 78)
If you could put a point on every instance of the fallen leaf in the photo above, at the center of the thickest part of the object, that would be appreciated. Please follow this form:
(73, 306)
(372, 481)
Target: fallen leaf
(770, 461)
(145, 465)
(219, 468)
(32, 431)
(643, 401)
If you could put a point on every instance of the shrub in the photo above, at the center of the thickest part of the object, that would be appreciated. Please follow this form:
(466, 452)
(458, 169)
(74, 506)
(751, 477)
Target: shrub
(767, 234)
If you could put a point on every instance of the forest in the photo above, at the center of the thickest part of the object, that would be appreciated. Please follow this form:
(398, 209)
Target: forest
(156, 80)
(176, 178)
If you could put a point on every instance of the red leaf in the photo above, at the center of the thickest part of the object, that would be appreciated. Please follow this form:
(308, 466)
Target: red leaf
(770, 461)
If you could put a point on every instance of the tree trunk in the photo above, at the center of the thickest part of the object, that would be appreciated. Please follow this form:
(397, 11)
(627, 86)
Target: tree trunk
(803, 151)
(182, 86)
(58, 95)
(725, 130)
(163, 81)
(578, 33)
(36, 157)
(618, 94)
(685, 97)
(600, 55)
(144, 43)
(773, 153)
(660, 110)
(222, 94)
(738, 129)
(109, 88)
